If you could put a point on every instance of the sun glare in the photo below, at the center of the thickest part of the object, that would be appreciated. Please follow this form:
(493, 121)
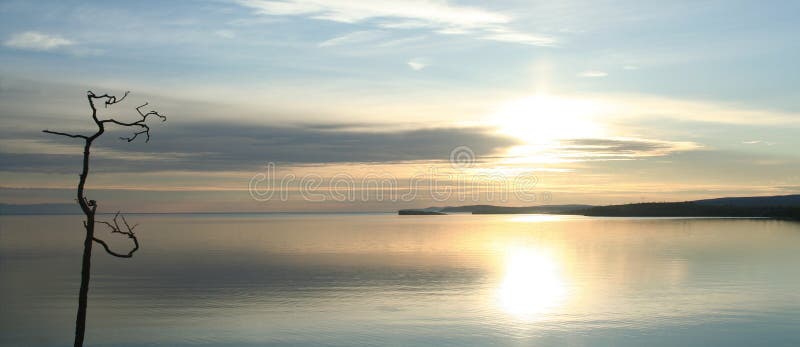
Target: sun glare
(532, 285)
(543, 119)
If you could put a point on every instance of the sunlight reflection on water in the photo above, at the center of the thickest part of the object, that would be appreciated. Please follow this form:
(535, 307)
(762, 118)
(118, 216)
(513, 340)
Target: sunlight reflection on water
(532, 285)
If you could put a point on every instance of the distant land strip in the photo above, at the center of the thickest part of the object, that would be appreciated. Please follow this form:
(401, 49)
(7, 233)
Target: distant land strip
(779, 207)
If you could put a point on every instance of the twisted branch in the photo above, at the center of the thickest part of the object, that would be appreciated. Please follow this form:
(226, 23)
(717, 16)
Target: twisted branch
(65, 134)
(139, 123)
(110, 99)
(116, 229)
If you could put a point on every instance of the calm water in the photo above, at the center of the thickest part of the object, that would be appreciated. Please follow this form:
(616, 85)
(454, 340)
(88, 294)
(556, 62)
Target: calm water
(385, 280)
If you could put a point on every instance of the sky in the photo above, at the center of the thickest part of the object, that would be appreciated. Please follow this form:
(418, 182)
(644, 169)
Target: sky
(350, 105)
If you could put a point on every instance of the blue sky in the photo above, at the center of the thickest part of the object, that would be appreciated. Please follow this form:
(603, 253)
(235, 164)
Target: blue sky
(604, 101)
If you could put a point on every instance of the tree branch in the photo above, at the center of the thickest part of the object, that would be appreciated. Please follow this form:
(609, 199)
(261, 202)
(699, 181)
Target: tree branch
(65, 134)
(139, 123)
(110, 99)
(116, 229)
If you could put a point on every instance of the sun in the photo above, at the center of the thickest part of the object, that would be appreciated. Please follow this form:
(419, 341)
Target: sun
(532, 285)
(544, 119)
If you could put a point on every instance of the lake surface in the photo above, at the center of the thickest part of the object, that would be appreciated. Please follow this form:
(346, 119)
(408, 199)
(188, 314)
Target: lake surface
(386, 280)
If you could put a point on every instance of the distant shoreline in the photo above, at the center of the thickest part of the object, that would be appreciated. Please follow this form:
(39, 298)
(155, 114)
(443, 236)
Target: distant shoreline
(775, 207)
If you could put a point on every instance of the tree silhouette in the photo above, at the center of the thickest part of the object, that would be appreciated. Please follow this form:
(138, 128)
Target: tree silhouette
(89, 207)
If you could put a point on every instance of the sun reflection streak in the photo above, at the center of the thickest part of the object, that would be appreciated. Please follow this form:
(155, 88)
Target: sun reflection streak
(530, 218)
(532, 285)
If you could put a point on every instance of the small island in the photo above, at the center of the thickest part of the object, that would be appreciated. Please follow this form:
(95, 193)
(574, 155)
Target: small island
(419, 213)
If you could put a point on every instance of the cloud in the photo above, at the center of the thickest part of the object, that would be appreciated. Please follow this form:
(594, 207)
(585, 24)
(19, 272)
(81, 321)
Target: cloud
(623, 148)
(593, 73)
(757, 142)
(402, 41)
(36, 41)
(505, 35)
(637, 107)
(374, 38)
(352, 38)
(225, 34)
(437, 16)
(221, 147)
(651, 111)
(417, 64)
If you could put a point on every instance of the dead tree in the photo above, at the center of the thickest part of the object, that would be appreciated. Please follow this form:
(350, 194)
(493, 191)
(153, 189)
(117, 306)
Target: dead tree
(89, 207)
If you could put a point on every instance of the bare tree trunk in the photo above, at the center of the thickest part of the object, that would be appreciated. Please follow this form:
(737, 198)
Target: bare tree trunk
(86, 263)
(83, 296)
